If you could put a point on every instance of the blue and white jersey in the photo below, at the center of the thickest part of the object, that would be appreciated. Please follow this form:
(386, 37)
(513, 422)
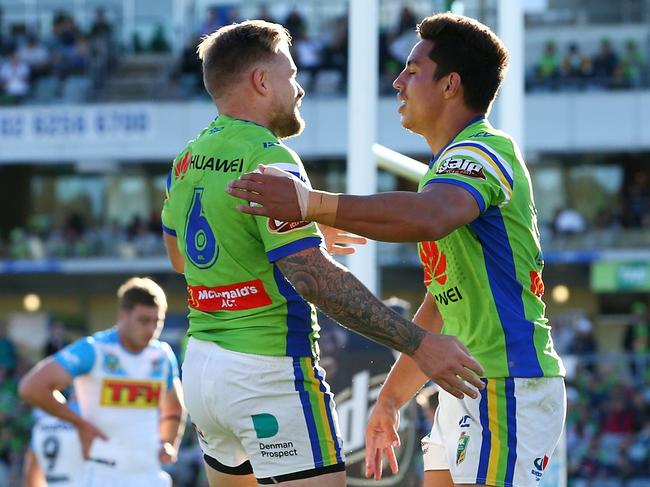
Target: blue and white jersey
(119, 392)
(57, 448)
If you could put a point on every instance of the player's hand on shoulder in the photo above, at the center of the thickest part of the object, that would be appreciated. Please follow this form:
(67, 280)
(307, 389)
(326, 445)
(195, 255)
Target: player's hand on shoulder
(270, 192)
(87, 434)
(449, 364)
(338, 242)
(381, 439)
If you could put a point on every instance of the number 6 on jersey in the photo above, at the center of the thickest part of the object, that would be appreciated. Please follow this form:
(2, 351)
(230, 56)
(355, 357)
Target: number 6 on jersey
(200, 242)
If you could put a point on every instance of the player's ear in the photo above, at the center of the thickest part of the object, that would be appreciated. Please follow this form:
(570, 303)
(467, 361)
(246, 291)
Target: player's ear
(453, 85)
(260, 79)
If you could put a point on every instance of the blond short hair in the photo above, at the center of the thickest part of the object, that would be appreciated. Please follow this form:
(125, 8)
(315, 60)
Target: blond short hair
(231, 50)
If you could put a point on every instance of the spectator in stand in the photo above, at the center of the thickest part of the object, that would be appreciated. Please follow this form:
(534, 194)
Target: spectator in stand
(335, 52)
(295, 23)
(407, 19)
(638, 453)
(575, 66)
(307, 53)
(547, 67)
(394, 47)
(605, 64)
(188, 72)
(591, 465)
(636, 340)
(637, 200)
(71, 50)
(618, 418)
(568, 221)
(265, 14)
(56, 339)
(101, 40)
(8, 356)
(630, 69)
(14, 79)
(36, 56)
(584, 344)
(65, 31)
(101, 28)
(563, 335)
(211, 22)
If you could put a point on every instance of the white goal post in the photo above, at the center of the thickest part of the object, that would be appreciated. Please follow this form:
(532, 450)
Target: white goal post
(399, 164)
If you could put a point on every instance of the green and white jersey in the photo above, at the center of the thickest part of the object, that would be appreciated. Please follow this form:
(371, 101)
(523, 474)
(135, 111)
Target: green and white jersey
(486, 276)
(237, 296)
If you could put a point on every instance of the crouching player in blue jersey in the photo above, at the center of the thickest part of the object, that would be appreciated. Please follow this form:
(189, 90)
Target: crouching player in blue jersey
(126, 381)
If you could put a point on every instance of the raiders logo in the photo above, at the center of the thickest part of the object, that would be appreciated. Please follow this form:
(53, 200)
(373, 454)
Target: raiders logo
(462, 167)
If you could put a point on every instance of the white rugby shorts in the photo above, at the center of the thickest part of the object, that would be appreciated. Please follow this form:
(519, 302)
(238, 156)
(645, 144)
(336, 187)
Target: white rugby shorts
(276, 412)
(503, 438)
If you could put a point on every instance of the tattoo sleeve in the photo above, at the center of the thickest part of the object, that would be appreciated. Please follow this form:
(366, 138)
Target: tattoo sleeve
(321, 280)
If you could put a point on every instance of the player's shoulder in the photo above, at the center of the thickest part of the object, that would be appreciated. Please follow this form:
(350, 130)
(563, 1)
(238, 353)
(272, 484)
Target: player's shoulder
(160, 346)
(487, 146)
(494, 140)
(108, 336)
(271, 149)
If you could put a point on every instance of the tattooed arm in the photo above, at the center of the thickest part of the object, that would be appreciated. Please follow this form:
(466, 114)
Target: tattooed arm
(333, 288)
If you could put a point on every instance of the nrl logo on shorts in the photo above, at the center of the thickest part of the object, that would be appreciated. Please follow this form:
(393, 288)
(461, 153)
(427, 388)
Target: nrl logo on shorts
(278, 226)
(462, 167)
(461, 451)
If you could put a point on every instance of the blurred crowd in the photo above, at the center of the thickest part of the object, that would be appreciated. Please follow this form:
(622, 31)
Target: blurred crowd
(570, 68)
(322, 57)
(72, 63)
(608, 394)
(624, 223)
(68, 64)
(74, 237)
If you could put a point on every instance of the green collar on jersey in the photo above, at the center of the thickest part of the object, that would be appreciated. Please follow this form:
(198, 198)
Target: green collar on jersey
(478, 119)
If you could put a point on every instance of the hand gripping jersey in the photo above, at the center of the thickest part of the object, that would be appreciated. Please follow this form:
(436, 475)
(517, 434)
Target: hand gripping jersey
(237, 297)
(57, 448)
(119, 392)
(486, 276)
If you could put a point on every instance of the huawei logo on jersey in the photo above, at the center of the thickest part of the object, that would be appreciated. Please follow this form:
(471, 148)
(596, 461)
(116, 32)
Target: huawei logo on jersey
(536, 284)
(278, 226)
(434, 263)
(130, 393)
(181, 166)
